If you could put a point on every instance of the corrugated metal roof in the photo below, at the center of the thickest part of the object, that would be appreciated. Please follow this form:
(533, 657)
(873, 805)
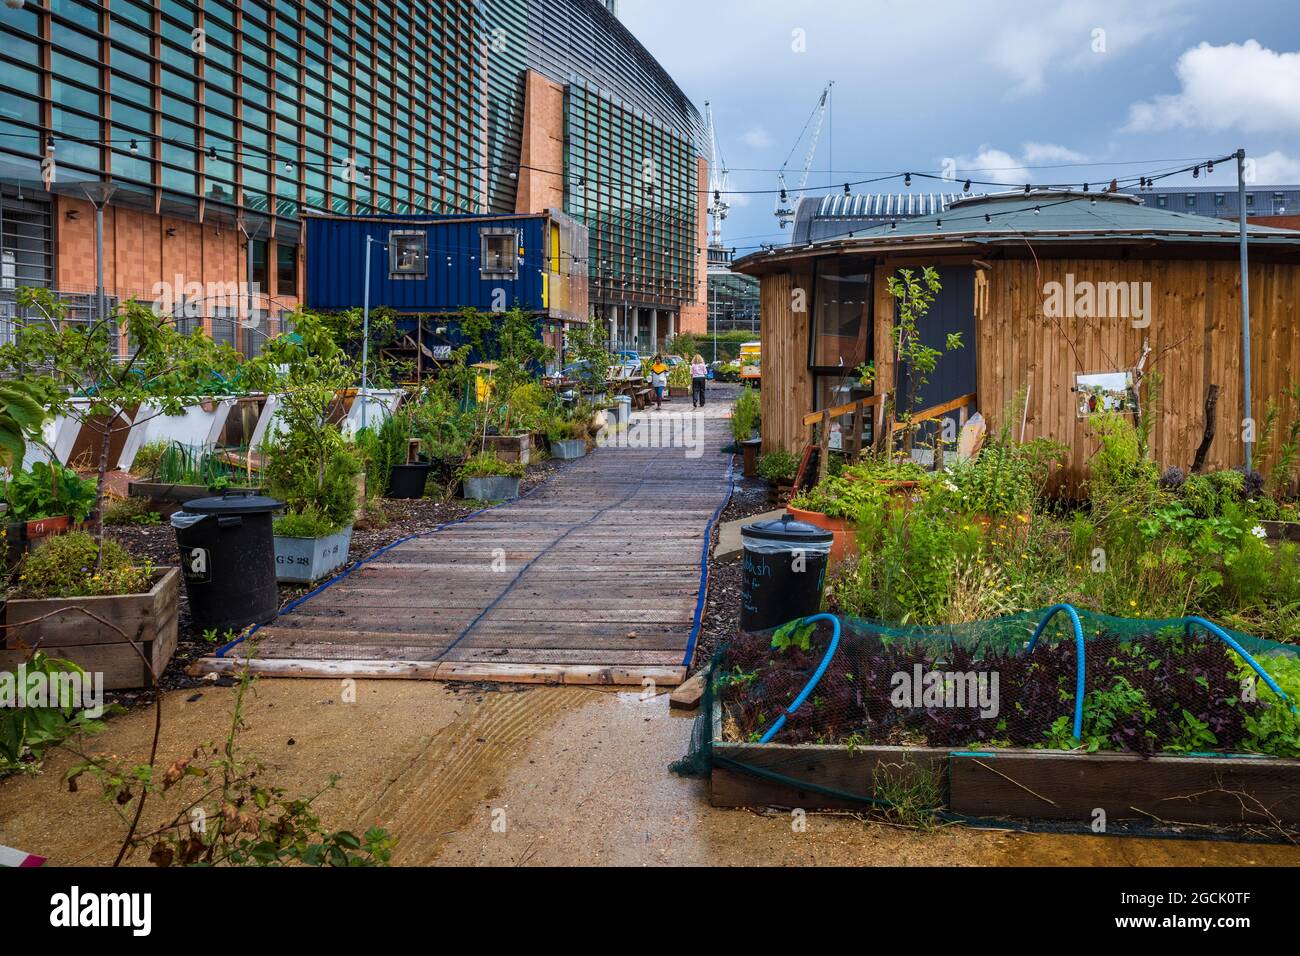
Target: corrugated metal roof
(1071, 215)
(1044, 216)
(830, 215)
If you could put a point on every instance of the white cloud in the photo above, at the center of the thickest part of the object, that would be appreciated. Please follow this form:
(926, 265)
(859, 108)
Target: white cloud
(1275, 168)
(756, 137)
(998, 165)
(1040, 40)
(1242, 86)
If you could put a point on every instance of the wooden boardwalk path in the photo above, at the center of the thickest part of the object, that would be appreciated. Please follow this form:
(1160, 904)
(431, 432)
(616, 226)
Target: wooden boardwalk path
(594, 577)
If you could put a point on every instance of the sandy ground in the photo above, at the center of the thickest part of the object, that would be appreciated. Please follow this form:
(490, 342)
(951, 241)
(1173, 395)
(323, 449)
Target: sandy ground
(467, 775)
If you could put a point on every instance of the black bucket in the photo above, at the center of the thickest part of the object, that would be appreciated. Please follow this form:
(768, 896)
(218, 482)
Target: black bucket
(228, 560)
(784, 572)
(407, 481)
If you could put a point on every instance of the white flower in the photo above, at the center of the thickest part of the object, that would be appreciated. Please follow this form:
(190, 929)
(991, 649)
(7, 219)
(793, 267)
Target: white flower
(950, 486)
(1258, 531)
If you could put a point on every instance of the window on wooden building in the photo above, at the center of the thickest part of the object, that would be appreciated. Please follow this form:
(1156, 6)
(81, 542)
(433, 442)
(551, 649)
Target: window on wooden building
(841, 315)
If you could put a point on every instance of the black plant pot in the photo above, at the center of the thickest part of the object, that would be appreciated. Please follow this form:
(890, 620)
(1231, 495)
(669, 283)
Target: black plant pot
(407, 481)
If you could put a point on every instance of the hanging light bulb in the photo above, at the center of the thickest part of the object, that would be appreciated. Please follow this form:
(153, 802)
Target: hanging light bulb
(49, 145)
(212, 152)
(135, 148)
(288, 165)
(907, 179)
(1085, 187)
(847, 190)
(966, 186)
(1209, 167)
(1026, 189)
(1037, 210)
(893, 225)
(784, 197)
(1196, 172)
(939, 223)
(988, 218)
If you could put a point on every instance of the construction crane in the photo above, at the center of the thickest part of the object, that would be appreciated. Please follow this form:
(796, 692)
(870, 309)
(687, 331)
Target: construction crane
(787, 203)
(719, 179)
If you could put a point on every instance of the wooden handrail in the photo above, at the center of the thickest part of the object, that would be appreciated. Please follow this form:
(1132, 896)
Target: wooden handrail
(812, 418)
(937, 410)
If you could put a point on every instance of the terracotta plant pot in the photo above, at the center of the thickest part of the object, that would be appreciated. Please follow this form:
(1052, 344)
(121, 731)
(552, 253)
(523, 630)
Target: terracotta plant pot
(845, 543)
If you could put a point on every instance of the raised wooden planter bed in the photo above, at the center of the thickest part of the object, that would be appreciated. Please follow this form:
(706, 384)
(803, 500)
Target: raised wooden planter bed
(1282, 530)
(147, 619)
(1042, 784)
(510, 447)
(22, 536)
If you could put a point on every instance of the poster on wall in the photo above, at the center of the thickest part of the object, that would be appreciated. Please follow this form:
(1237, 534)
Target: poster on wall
(1105, 392)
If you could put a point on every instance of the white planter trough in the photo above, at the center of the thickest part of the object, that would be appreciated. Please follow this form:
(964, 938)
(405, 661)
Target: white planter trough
(568, 449)
(492, 488)
(305, 560)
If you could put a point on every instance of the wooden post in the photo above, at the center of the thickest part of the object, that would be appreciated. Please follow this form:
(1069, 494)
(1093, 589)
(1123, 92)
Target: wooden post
(858, 426)
(824, 448)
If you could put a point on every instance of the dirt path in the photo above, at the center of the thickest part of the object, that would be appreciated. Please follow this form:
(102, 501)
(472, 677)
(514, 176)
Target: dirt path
(568, 775)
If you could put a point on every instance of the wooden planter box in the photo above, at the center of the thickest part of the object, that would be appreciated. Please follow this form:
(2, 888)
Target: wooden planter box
(845, 543)
(1282, 530)
(510, 447)
(168, 498)
(21, 536)
(678, 391)
(147, 619)
(1041, 784)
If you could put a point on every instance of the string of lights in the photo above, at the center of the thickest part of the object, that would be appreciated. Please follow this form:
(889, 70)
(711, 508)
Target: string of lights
(366, 170)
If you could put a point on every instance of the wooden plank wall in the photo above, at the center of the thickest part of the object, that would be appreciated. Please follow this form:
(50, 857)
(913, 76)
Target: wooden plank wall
(1194, 336)
(787, 384)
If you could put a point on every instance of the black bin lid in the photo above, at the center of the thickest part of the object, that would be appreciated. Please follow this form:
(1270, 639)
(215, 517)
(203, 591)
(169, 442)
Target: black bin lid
(786, 528)
(233, 503)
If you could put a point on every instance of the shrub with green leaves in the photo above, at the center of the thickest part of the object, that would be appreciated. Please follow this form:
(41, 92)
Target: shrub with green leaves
(778, 466)
(47, 491)
(488, 465)
(131, 511)
(63, 566)
(746, 414)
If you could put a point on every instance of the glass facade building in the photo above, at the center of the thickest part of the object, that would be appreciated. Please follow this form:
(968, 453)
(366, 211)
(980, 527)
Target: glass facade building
(245, 115)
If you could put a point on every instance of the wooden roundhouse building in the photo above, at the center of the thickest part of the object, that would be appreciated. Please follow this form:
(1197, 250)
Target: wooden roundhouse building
(1069, 298)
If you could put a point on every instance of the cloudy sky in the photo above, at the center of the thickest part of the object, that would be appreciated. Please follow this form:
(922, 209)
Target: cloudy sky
(1000, 89)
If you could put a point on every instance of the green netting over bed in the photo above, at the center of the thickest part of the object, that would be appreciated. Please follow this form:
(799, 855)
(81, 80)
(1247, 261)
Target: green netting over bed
(1149, 687)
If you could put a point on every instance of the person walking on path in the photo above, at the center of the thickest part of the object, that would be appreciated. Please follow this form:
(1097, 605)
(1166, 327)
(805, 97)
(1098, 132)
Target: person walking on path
(699, 375)
(659, 379)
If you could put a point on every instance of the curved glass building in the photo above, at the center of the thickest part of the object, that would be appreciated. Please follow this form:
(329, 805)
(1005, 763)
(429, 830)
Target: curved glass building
(221, 123)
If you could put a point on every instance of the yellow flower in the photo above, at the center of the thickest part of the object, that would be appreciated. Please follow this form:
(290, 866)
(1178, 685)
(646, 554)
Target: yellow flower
(1132, 603)
(1023, 519)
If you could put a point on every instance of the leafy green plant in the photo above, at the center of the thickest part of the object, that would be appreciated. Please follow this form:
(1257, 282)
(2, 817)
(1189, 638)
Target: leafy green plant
(85, 375)
(63, 566)
(797, 633)
(746, 414)
(778, 466)
(308, 465)
(304, 524)
(131, 511)
(679, 376)
(22, 413)
(49, 490)
(26, 733)
(487, 465)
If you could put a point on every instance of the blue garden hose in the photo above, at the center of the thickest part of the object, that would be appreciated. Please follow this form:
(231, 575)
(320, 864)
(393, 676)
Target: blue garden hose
(1223, 635)
(812, 682)
(1078, 643)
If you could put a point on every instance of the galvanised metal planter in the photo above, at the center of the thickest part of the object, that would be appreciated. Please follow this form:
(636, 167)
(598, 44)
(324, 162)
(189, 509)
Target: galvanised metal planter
(305, 560)
(568, 449)
(492, 488)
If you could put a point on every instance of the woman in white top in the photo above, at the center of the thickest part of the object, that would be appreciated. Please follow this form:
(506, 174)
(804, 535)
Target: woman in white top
(699, 375)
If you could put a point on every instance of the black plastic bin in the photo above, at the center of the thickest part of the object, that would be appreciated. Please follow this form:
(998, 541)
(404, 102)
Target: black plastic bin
(784, 572)
(407, 481)
(228, 559)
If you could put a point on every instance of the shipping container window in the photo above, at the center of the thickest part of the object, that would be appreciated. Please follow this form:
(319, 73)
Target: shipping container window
(406, 255)
(499, 248)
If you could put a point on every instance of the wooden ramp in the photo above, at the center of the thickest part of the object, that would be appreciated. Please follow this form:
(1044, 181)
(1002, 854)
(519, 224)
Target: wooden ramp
(594, 577)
